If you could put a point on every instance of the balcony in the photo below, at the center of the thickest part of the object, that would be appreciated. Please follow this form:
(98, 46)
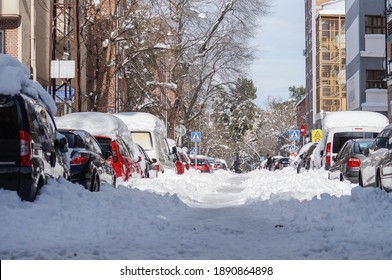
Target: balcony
(9, 9)
(376, 100)
(374, 45)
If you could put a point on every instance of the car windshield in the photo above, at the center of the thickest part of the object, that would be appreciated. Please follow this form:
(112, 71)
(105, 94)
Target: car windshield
(105, 144)
(360, 147)
(342, 137)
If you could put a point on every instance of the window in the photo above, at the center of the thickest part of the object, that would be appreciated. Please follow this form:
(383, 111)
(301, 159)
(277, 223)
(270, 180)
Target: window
(374, 25)
(1, 41)
(374, 79)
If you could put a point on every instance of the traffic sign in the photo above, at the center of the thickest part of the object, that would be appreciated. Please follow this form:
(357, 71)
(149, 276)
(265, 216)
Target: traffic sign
(196, 136)
(180, 130)
(291, 148)
(317, 134)
(294, 135)
(303, 129)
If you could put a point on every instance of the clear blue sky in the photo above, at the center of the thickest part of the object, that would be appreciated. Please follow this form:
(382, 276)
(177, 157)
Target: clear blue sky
(279, 41)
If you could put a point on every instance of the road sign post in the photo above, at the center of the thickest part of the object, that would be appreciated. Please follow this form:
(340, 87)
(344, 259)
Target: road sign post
(196, 138)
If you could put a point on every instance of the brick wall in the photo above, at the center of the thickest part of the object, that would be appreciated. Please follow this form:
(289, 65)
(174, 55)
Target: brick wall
(10, 29)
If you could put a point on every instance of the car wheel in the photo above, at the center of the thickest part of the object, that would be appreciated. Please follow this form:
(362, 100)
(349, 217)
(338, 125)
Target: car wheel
(95, 184)
(29, 193)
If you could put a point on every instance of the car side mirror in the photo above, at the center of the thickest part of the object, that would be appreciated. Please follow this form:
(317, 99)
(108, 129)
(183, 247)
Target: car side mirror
(321, 153)
(174, 150)
(301, 156)
(62, 145)
(334, 158)
(154, 160)
(366, 152)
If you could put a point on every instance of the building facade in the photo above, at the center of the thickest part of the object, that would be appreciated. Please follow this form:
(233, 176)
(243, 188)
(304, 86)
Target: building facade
(365, 70)
(24, 34)
(388, 13)
(325, 59)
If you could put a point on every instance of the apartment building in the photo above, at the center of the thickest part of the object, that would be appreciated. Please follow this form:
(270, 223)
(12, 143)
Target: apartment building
(388, 13)
(24, 34)
(365, 71)
(325, 59)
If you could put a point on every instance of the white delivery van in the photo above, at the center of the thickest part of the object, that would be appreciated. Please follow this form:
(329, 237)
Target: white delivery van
(149, 132)
(338, 127)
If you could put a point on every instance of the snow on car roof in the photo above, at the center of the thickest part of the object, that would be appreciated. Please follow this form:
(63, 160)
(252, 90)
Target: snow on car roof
(141, 121)
(102, 124)
(354, 118)
(15, 79)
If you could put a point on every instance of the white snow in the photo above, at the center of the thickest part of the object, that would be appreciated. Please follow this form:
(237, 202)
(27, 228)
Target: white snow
(15, 78)
(354, 118)
(258, 215)
(140, 121)
(102, 124)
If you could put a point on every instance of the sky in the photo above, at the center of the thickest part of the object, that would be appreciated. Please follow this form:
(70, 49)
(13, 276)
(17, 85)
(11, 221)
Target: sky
(279, 41)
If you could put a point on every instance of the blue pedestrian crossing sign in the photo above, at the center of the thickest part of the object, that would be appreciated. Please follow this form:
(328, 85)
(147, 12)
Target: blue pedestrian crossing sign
(294, 135)
(196, 136)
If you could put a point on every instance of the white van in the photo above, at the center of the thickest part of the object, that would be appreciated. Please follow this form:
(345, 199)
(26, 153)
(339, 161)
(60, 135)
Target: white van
(149, 132)
(338, 127)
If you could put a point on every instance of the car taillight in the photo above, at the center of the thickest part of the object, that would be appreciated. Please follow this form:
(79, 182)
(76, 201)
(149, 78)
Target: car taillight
(328, 154)
(78, 159)
(25, 148)
(353, 162)
(157, 167)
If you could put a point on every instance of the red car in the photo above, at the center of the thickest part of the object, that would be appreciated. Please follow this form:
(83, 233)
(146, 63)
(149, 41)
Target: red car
(202, 164)
(121, 159)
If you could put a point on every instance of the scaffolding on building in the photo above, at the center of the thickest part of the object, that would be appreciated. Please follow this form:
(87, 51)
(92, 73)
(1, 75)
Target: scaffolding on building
(331, 60)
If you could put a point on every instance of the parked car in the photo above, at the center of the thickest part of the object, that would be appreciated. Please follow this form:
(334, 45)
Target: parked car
(213, 163)
(348, 161)
(201, 163)
(307, 157)
(151, 170)
(149, 132)
(339, 127)
(182, 160)
(376, 168)
(221, 164)
(113, 136)
(88, 163)
(122, 161)
(278, 163)
(299, 156)
(31, 148)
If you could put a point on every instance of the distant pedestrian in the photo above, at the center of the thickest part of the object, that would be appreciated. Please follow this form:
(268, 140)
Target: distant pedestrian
(236, 166)
(269, 162)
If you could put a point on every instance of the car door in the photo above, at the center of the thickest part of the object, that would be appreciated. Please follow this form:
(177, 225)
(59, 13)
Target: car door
(338, 167)
(386, 163)
(373, 157)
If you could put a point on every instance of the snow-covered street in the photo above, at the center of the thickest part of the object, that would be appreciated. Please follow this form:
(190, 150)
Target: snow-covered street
(257, 215)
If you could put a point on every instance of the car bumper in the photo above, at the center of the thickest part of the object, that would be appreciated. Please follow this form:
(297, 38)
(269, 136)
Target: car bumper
(11, 178)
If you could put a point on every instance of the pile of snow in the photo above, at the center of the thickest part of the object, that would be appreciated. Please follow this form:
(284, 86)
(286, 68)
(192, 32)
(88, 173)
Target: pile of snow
(354, 118)
(140, 121)
(15, 78)
(99, 124)
(259, 215)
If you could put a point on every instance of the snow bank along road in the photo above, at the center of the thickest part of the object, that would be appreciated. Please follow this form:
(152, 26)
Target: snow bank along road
(258, 215)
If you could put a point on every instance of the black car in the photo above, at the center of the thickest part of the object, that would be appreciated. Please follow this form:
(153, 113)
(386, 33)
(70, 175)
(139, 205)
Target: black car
(88, 163)
(31, 148)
